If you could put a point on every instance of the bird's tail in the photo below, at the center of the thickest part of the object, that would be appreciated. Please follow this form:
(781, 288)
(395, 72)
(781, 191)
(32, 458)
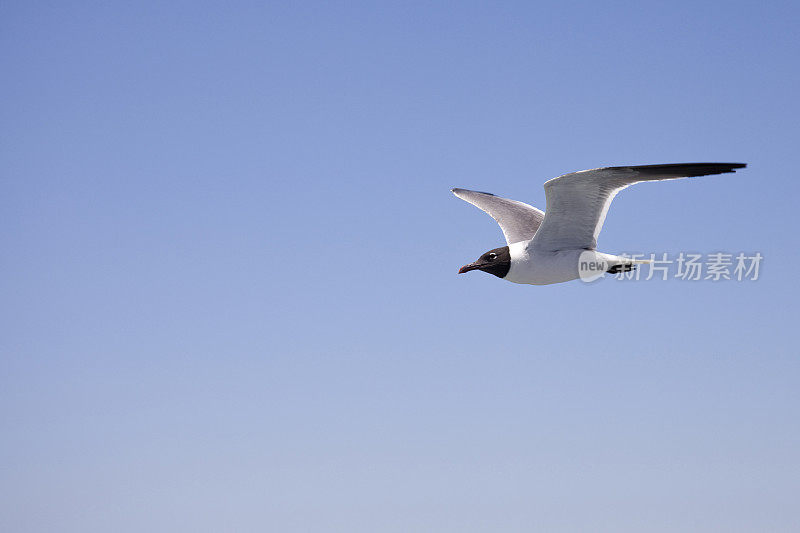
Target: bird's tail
(626, 264)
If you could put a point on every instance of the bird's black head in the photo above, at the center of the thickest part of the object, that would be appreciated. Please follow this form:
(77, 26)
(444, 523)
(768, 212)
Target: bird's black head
(497, 262)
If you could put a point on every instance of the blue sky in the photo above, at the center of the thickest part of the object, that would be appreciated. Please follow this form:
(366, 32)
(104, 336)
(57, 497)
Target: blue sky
(230, 253)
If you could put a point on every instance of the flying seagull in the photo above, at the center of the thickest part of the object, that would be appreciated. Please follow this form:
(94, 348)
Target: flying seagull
(561, 244)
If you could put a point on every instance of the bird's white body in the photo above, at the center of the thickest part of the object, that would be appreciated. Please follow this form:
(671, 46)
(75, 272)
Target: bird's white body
(535, 267)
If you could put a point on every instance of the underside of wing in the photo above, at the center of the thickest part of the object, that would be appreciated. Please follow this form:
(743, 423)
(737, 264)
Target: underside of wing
(519, 221)
(577, 203)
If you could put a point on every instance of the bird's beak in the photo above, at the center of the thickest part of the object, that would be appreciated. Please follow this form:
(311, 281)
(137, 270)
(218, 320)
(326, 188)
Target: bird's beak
(467, 268)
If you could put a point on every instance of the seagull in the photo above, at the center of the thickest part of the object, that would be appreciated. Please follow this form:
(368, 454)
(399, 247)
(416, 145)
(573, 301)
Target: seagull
(561, 244)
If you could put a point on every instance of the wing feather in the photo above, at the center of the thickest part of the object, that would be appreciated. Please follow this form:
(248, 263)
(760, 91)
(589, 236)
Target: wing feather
(577, 203)
(519, 221)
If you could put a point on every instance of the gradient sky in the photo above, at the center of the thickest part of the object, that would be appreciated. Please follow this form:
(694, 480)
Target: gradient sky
(229, 290)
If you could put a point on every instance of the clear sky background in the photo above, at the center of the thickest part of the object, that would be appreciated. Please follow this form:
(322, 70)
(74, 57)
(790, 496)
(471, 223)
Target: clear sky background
(229, 254)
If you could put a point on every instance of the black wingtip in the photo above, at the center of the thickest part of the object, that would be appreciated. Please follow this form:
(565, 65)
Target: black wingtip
(687, 170)
(731, 166)
(457, 190)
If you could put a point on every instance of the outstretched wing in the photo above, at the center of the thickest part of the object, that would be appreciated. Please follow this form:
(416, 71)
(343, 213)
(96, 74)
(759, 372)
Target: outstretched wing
(577, 203)
(518, 221)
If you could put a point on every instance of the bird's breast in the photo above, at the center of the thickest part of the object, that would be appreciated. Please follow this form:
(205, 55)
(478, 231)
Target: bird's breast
(541, 268)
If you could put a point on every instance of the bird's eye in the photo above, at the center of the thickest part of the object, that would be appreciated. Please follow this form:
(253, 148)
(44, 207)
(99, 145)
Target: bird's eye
(491, 257)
